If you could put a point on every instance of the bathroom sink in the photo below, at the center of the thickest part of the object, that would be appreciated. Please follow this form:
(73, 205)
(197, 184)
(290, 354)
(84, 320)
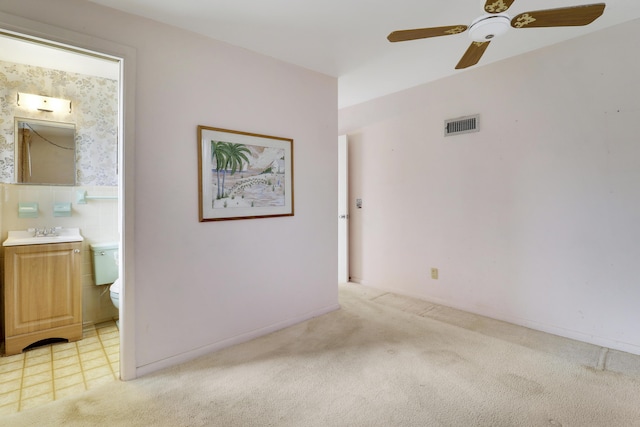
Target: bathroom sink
(28, 237)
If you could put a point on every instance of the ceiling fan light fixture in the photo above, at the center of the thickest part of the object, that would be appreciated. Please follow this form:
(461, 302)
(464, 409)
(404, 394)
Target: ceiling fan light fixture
(495, 23)
(487, 27)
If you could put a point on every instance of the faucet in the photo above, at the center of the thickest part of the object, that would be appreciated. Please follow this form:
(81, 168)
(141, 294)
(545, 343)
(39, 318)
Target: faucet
(44, 231)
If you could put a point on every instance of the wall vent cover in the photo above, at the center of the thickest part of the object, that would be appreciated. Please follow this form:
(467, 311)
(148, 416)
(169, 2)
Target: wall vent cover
(461, 125)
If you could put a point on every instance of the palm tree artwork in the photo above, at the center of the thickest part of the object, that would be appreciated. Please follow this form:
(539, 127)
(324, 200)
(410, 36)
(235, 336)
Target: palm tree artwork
(227, 156)
(259, 183)
(218, 158)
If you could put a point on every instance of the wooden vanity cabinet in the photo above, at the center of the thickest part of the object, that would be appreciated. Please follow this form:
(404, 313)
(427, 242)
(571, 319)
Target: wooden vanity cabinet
(42, 294)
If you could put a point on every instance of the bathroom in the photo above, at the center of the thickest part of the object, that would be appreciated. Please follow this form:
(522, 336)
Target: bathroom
(89, 204)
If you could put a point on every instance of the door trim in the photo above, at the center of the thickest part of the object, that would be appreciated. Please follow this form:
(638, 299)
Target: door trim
(60, 37)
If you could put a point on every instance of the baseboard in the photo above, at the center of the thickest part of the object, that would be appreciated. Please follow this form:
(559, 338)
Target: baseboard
(574, 335)
(95, 323)
(531, 324)
(210, 348)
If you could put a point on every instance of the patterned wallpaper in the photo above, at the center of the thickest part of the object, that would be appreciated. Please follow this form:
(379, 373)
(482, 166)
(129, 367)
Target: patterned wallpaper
(94, 112)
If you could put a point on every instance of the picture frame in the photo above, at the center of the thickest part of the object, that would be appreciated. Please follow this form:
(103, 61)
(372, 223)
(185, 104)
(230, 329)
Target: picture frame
(243, 175)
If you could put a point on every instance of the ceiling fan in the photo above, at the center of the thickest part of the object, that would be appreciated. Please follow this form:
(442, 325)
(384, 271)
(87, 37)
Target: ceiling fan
(496, 22)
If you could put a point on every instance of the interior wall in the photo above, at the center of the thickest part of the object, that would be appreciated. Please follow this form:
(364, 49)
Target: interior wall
(201, 286)
(534, 219)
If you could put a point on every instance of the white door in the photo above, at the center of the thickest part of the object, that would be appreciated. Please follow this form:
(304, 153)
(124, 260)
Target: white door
(343, 211)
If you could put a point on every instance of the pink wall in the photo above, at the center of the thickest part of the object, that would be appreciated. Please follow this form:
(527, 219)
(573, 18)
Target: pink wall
(201, 286)
(534, 219)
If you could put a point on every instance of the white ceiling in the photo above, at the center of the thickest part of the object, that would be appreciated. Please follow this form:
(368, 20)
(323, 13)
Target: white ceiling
(347, 38)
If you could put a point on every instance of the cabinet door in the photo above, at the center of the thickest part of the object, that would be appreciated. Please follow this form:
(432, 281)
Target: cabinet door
(42, 287)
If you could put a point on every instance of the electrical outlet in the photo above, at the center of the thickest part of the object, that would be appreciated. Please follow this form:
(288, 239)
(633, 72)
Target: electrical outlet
(434, 273)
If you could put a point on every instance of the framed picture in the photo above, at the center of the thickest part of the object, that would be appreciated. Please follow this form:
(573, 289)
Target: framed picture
(243, 175)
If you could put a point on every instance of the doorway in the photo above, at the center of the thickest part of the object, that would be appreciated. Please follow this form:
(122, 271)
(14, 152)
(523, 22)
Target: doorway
(36, 53)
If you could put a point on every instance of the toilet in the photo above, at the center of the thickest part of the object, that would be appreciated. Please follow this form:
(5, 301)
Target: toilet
(105, 268)
(114, 292)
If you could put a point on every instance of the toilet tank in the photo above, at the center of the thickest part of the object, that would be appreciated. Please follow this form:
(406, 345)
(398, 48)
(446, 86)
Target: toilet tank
(105, 262)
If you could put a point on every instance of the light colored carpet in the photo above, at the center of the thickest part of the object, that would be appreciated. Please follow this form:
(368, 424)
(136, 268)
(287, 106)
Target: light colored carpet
(381, 360)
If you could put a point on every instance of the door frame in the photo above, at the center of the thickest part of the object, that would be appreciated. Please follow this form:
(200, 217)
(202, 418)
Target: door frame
(343, 209)
(62, 38)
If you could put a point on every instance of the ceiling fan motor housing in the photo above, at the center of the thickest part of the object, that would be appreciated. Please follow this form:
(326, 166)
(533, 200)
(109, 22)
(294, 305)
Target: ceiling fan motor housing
(487, 27)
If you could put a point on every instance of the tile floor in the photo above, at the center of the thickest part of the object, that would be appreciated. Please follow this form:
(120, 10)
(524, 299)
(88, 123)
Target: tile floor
(51, 372)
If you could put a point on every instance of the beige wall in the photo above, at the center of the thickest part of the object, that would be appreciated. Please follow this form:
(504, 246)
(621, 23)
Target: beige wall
(534, 219)
(197, 286)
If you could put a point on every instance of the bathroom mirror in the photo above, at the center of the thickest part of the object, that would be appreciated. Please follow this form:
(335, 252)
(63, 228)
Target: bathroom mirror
(45, 152)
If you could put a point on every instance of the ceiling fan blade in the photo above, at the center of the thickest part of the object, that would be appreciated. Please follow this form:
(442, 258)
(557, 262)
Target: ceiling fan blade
(472, 55)
(563, 17)
(423, 33)
(497, 6)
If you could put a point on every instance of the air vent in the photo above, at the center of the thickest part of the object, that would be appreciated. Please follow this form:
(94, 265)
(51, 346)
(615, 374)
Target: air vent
(461, 125)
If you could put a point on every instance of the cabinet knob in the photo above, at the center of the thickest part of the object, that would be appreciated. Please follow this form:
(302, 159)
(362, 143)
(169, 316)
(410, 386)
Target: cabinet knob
(76, 251)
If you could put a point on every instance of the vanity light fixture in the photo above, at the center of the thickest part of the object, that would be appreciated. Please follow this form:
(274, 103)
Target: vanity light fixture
(43, 103)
